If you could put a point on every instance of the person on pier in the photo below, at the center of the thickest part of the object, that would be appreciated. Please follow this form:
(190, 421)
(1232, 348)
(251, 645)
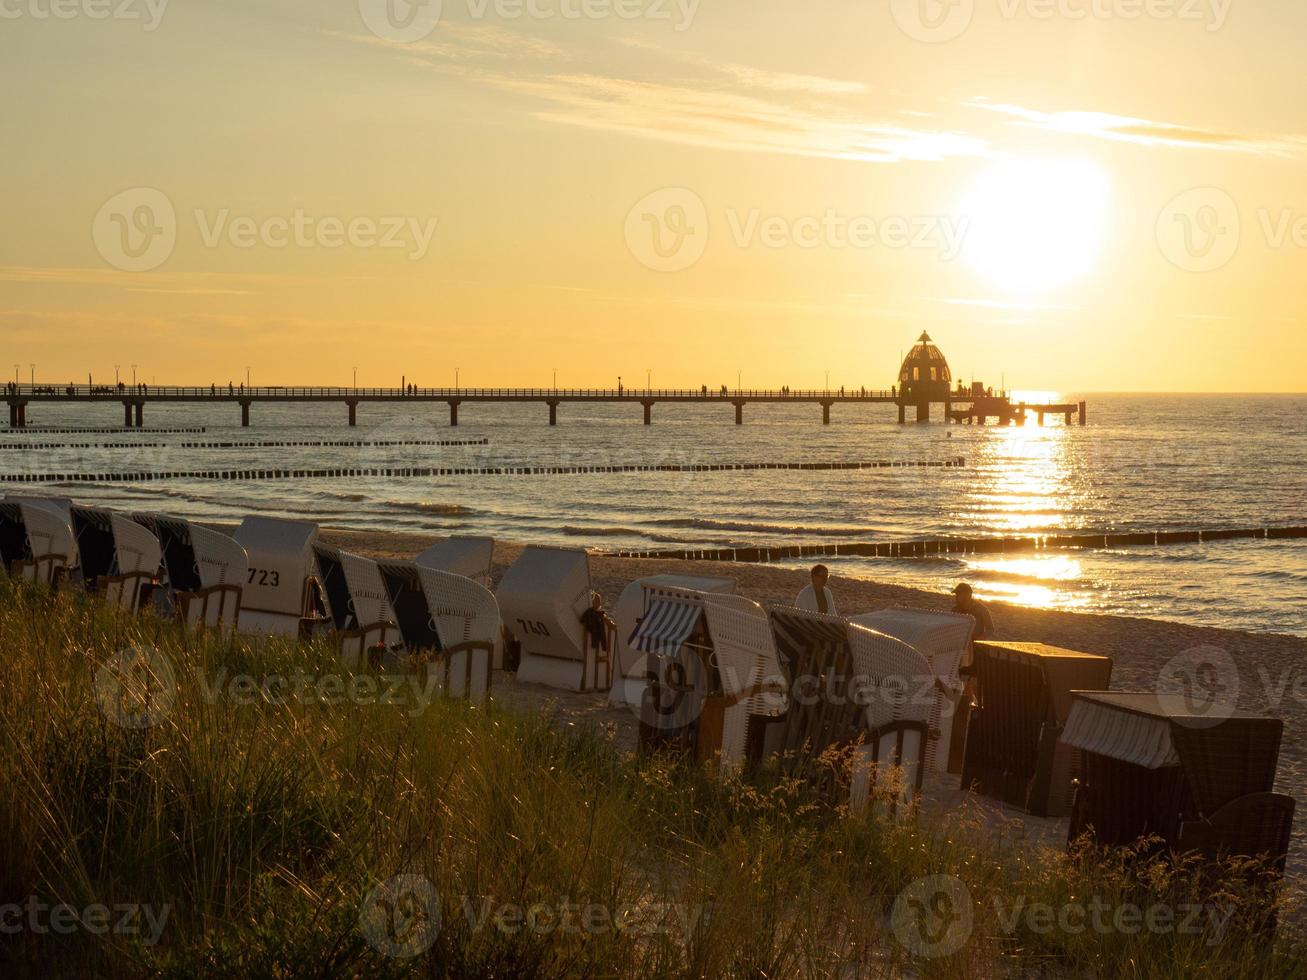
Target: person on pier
(818, 597)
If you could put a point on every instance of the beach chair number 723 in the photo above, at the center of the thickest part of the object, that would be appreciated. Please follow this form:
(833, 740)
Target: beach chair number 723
(265, 577)
(536, 628)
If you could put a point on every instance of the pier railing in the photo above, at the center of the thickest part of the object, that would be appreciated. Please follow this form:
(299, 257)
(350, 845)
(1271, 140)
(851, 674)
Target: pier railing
(343, 392)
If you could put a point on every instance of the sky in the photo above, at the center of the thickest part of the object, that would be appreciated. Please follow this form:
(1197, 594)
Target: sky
(1069, 195)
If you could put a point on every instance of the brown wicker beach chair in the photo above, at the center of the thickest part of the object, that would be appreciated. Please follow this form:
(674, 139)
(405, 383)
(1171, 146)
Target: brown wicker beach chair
(1153, 765)
(1013, 752)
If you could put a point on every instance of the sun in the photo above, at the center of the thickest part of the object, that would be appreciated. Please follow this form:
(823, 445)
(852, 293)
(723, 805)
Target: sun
(1036, 223)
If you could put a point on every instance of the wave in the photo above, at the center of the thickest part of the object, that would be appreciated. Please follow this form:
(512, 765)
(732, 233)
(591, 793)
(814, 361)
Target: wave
(430, 507)
(602, 532)
(350, 498)
(708, 524)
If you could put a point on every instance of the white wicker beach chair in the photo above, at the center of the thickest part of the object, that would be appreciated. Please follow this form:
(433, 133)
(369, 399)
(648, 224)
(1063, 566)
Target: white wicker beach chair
(541, 599)
(37, 542)
(944, 639)
(282, 594)
(629, 664)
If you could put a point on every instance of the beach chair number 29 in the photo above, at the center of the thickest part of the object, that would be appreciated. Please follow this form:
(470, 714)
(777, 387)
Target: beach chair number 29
(265, 577)
(535, 628)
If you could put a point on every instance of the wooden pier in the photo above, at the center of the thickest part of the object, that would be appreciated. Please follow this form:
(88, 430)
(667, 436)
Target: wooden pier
(957, 406)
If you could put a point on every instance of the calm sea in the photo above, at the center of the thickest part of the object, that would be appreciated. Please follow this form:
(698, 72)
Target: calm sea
(1144, 462)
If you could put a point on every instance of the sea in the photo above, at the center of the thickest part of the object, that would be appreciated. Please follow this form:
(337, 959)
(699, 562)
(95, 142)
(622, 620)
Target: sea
(1144, 462)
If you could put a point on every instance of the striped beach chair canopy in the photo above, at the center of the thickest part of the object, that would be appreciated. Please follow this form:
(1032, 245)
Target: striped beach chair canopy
(666, 624)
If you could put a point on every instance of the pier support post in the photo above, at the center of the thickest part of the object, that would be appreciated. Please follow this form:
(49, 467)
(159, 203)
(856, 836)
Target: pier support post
(353, 413)
(825, 413)
(245, 413)
(13, 415)
(127, 414)
(553, 412)
(1066, 419)
(1041, 419)
(648, 412)
(22, 415)
(903, 413)
(1082, 413)
(140, 414)
(739, 413)
(453, 413)
(948, 410)
(923, 411)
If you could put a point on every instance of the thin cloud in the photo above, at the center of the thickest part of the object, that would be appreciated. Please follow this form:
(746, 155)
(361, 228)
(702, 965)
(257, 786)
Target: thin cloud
(740, 109)
(760, 78)
(1143, 132)
(731, 121)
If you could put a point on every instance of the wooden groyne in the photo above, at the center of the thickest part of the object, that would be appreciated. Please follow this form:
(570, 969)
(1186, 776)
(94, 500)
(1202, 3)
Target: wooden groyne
(103, 430)
(409, 472)
(946, 547)
(280, 444)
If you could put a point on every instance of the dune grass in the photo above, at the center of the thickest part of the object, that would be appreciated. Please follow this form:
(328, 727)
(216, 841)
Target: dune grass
(253, 826)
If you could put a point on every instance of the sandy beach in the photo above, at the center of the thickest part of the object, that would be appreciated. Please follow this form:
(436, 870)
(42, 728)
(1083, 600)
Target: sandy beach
(1272, 667)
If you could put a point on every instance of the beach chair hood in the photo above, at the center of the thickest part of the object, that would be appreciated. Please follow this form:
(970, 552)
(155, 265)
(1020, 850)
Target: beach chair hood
(470, 557)
(542, 596)
(408, 601)
(219, 559)
(897, 681)
(462, 610)
(367, 590)
(745, 652)
(49, 532)
(136, 549)
(281, 560)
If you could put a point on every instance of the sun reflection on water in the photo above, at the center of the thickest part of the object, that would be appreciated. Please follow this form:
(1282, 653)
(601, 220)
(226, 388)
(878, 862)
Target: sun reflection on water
(1024, 486)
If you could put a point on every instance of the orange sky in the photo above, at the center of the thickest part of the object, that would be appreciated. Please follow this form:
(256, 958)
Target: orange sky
(1063, 194)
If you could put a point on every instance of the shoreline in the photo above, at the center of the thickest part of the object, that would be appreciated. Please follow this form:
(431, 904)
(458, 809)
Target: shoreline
(1272, 667)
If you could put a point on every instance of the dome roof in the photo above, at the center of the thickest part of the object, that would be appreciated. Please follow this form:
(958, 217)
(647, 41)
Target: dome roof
(928, 362)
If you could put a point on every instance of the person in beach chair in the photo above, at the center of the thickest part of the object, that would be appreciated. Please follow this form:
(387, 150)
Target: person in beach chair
(818, 597)
(542, 597)
(597, 623)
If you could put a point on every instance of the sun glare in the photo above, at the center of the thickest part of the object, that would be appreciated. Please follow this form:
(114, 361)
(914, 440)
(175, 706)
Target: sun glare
(1036, 223)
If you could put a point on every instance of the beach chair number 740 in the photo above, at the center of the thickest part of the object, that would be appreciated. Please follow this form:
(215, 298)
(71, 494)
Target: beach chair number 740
(536, 628)
(265, 577)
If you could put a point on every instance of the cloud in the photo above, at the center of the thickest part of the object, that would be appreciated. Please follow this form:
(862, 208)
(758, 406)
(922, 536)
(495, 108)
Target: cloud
(731, 120)
(719, 105)
(759, 78)
(463, 42)
(1144, 132)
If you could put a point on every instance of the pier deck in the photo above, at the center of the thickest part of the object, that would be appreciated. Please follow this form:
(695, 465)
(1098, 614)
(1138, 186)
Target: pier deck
(134, 398)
